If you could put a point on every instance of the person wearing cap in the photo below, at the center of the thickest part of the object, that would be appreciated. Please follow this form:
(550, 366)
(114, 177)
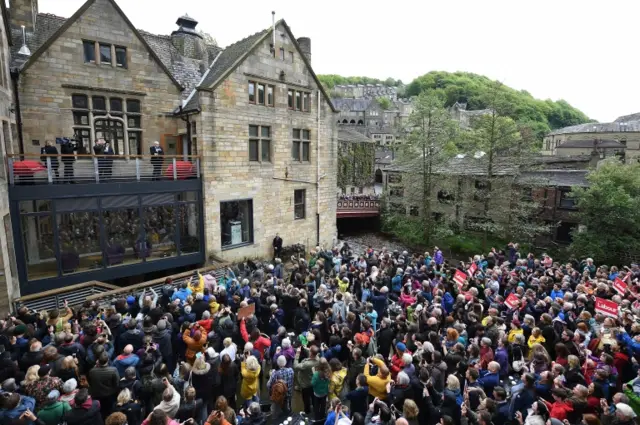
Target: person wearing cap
(397, 364)
(53, 410)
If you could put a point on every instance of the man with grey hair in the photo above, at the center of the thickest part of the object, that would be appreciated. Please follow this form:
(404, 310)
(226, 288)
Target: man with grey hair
(624, 414)
(284, 374)
(157, 154)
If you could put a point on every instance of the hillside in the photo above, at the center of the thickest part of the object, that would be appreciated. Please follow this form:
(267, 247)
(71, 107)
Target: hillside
(541, 115)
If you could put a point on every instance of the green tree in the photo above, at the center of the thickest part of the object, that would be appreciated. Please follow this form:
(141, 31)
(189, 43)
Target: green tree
(503, 149)
(609, 210)
(384, 103)
(430, 136)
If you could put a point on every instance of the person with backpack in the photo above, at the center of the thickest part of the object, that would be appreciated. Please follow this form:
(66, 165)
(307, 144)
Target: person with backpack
(280, 387)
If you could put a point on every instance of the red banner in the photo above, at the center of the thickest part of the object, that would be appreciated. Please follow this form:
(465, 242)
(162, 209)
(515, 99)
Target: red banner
(619, 286)
(606, 307)
(472, 269)
(460, 278)
(511, 300)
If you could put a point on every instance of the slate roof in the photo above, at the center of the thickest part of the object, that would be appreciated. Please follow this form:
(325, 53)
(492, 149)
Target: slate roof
(352, 136)
(595, 127)
(586, 143)
(630, 117)
(46, 25)
(466, 166)
(356, 105)
(555, 178)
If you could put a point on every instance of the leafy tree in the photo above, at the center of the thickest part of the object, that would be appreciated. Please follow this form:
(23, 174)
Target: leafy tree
(384, 103)
(332, 80)
(505, 148)
(541, 115)
(610, 211)
(430, 137)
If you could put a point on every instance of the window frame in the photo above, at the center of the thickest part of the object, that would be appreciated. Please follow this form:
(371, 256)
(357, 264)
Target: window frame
(302, 204)
(250, 223)
(125, 65)
(260, 140)
(100, 46)
(85, 44)
(266, 88)
(282, 55)
(296, 100)
(298, 145)
(252, 84)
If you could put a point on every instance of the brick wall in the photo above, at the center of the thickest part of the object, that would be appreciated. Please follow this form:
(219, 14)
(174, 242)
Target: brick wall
(224, 139)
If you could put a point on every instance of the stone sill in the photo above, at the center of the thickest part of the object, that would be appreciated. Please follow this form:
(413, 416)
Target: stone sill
(241, 245)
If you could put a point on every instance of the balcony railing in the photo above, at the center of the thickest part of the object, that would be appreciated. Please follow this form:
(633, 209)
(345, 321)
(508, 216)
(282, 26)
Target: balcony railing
(30, 169)
(358, 206)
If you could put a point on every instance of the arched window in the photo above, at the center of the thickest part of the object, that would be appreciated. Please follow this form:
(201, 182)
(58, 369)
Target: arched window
(352, 122)
(345, 122)
(360, 122)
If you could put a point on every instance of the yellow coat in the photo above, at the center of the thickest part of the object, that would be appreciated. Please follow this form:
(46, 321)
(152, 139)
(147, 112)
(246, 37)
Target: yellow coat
(377, 384)
(214, 306)
(336, 383)
(249, 386)
(198, 287)
(511, 337)
(534, 340)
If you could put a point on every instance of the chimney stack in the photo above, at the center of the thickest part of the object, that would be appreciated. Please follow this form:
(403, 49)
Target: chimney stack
(23, 12)
(187, 40)
(305, 47)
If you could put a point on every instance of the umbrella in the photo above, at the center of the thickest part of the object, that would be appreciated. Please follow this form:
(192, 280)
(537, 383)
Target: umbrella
(27, 168)
(184, 170)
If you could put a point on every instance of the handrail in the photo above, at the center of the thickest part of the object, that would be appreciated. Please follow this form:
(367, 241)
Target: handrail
(57, 291)
(38, 156)
(177, 279)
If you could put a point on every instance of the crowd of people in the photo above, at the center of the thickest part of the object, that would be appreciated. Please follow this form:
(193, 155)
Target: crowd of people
(379, 338)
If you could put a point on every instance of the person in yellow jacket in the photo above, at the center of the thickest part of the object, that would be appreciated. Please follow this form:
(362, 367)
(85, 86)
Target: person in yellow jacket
(250, 370)
(377, 383)
(338, 373)
(198, 286)
(343, 286)
(214, 306)
(536, 337)
(516, 329)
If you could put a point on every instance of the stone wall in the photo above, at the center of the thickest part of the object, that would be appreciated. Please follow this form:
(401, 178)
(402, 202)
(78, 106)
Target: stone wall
(9, 286)
(223, 140)
(550, 143)
(46, 104)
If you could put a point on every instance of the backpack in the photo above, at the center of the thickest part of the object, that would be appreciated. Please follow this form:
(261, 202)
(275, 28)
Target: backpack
(279, 392)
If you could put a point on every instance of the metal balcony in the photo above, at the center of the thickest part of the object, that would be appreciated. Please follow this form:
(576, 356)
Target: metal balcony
(34, 169)
(358, 206)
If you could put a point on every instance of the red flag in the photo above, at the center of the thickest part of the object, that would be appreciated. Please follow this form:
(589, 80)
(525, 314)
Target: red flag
(511, 300)
(460, 278)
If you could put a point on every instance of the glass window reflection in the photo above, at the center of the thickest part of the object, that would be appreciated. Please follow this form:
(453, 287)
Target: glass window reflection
(189, 225)
(159, 227)
(80, 248)
(39, 247)
(122, 230)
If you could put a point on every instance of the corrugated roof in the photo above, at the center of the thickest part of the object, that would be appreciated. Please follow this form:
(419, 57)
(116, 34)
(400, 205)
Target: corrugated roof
(352, 136)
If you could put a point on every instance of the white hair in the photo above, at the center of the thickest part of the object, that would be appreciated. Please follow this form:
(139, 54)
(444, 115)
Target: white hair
(206, 314)
(403, 379)
(625, 410)
(281, 361)
(407, 359)
(199, 296)
(286, 343)
(248, 346)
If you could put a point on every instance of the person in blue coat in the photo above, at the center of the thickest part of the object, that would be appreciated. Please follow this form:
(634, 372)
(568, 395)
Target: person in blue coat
(490, 378)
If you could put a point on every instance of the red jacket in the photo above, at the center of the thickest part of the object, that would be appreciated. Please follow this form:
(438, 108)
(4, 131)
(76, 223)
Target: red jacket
(259, 344)
(559, 409)
(397, 364)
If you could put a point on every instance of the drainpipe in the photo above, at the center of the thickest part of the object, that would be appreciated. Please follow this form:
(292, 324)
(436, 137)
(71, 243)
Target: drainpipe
(318, 173)
(14, 78)
(188, 121)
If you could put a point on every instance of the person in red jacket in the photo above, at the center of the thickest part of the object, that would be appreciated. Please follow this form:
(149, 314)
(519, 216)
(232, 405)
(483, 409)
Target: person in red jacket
(260, 343)
(396, 361)
(560, 407)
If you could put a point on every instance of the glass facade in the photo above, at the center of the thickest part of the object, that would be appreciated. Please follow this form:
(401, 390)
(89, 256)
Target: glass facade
(236, 221)
(67, 236)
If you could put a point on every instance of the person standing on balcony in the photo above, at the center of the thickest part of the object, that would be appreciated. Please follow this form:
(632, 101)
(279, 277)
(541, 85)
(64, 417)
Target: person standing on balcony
(98, 150)
(48, 151)
(68, 159)
(108, 160)
(156, 159)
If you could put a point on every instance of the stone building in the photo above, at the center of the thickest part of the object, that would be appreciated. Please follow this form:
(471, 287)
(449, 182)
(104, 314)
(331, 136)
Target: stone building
(620, 138)
(251, 123)
(455, 193)
(9, 287)
(367, 91)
